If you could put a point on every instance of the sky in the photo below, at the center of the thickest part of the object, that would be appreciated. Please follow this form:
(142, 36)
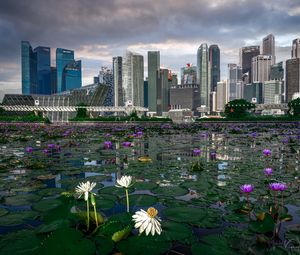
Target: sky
(97, 30)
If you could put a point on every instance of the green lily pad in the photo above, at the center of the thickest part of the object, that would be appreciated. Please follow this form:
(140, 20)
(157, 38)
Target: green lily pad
(137, 245)
(50, 192)
(170, 191)
(145, 185)
(17, 218)
(214, 245)
(24, 199)
(54, 225)
(200, 217)
(263, 226)
(115, 191)
(104, 245)
(3, 211)
(173, 231)
(67, 241)
(46, 205)
(140, 200)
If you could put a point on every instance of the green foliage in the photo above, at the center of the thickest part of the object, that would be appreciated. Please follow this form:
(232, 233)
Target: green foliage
(31, 117)
(238, 108)
(81, 111)
(294, 107)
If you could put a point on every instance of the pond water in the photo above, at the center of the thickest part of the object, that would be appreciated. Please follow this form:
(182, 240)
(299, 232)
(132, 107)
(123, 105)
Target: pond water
(197, 193)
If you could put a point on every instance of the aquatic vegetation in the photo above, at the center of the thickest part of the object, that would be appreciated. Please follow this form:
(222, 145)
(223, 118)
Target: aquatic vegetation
(125, 182)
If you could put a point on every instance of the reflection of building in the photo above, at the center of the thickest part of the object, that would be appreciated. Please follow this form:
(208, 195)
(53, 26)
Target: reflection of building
(117, 79)
(133, 78)
(188, 74)
(253, 92)
(203, 74)
(214, 61)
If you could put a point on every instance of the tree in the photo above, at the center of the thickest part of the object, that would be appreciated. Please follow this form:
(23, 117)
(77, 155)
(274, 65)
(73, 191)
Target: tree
(238, 108)
(1, 109)
(294, 107)
(81, 111)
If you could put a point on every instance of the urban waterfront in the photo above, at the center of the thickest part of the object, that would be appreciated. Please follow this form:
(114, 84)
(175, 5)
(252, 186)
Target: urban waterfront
(217, 188)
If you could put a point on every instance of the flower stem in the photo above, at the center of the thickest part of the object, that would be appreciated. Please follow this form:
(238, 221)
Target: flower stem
(96, 218)
(127, 199)
(88, 214)
(248, 201)
(275, 202)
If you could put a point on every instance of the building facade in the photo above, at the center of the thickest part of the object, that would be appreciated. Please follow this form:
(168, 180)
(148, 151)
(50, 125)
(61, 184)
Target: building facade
(234, 82)
(153, 69)
(292, 77)
(203, 74)
(261, 67)
(214, 62)
(246, 55)
(273, 91)
(188, 74)
(222, 96)
(296, 48)
(133, 79)
(117, 79)
(253, 92)
(162, 91)
(106, 78)
(268, 47)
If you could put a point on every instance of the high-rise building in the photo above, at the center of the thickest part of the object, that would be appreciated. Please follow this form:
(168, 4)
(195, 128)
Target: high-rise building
(277, 71)
(273, 91)
(117, 75)
(268, 47)
(261, 66)
(146, 93)
(234, 82)
(214, 61)
(153, 69)
(222, 95)
(133, 79)
(292, 77)
(53, 80)
(253, 92)
(246, 55)
(296, 48)
(162, 91)
(29, 70)
(203, 74)
(67, 66)
(106, 78)
(188, 74)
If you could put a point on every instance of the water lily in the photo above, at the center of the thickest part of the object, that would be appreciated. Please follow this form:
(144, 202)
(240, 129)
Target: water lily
(276, 186)
(29, 149)
(247, 188)
(147, 221)
(86, 188)
(126, 144)
(107, 145)
(267, 152)
(268, 171)
(196, 152)
(125, 182)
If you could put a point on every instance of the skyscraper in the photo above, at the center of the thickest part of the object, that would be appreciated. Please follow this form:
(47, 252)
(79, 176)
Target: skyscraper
(246, 55)
(214, 61)
(203, 74)
(29, 79)
(64, 64)
(188, 74)
(222, 95)
(261, 66)
(292, 77)
(234, 82)
(296, 48)
(277, 71)
(106, 77)
(268, 47)
(153, 69)
(133, 78)
(43, 69)
(117, 75)
(162, 91)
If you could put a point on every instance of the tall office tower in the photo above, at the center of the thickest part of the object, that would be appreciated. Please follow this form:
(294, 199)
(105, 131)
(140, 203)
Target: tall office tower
(292, 78)
(117, 75)
(253, 92)
(277, 71)
(146, 93)
(153, 69)
(29, 72)
(174, 80)
(53, 80)
(234, 82)
(246, 55)
(222, 95)
(296, 48)
(273, 91)
(43, 69)
(188, 74)
(64, 64)
(162, 91)
(214, 61)
(261, 66)
(268, 47)
(133, 79)
(203, 74)
(106, 77)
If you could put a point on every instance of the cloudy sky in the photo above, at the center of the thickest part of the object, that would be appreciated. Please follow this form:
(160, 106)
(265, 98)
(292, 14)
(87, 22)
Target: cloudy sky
(99, 29)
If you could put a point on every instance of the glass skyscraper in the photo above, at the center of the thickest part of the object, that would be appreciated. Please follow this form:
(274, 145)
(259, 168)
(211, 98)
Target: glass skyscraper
(203, 74)
(106, 77)
(43, 70)
(214, 61)
(68, 70)
(117, 79)
(153, 69)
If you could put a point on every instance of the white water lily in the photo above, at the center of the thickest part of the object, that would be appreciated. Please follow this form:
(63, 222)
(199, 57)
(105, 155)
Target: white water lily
(124, 182)
(147, 221)
(85, 188)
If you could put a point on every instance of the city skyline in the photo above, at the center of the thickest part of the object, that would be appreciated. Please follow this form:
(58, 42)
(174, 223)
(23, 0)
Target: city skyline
(99, 32)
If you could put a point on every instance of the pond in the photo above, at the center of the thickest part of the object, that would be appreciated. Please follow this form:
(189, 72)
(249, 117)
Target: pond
(193, 175)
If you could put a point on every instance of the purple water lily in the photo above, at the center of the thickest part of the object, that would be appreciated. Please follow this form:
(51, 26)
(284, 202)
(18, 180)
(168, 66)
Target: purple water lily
(275, 186)
(213, 155)
(29, 149)
(247, 188)
(268, 171)
(107, 145)
(51, 145)
(267, 152)
(196, 152)
(126, 144)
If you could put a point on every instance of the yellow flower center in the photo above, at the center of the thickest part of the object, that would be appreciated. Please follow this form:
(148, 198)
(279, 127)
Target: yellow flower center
(152, 212)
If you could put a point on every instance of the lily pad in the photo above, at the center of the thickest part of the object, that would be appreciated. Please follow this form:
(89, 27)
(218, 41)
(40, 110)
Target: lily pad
(24, 199)
(263, 226)
(145, 185)
(17, 218)
(46, 205)
(3, 211)
(170, 191)
(140, 200)
(114, 191)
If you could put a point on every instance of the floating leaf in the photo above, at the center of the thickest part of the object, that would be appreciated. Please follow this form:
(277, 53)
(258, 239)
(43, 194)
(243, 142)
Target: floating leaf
(122, 234)
(46, 205)
(264, 226)
(140, 200)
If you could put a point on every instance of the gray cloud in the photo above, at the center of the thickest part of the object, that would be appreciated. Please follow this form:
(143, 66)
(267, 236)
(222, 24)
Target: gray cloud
(117, 24)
